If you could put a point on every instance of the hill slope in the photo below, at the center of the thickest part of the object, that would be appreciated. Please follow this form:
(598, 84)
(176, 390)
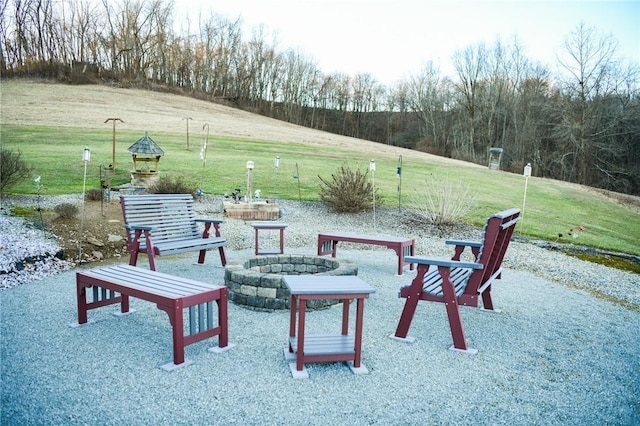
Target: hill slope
(29, 102)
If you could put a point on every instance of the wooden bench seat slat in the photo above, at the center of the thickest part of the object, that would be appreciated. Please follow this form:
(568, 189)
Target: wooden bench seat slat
(166, 224)
(160, 284)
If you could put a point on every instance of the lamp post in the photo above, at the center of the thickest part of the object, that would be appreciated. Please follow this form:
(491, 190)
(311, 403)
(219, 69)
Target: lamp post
(249, 180)
(372, 169)
(276, 166)
(86, 157)
(527, 175)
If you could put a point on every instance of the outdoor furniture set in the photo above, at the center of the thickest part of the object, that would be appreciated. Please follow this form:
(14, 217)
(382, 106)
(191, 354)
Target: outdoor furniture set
(166, 224)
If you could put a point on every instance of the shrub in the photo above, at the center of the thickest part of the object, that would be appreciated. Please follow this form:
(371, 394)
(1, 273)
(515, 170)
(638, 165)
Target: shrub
(442, 203)
(349, 191)
(13, 169)
(66, 210)
(93, 194)
(169, 186)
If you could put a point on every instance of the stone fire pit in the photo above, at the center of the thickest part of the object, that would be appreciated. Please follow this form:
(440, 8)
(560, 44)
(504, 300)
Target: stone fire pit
(258, 285)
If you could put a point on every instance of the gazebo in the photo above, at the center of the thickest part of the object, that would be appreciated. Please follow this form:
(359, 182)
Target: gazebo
(146, 156)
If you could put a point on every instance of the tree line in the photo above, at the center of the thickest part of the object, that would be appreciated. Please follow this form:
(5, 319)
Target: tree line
(578, 123)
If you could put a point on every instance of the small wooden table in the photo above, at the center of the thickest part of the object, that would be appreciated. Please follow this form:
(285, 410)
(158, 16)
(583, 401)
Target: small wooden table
(332, 347)
(269, 226)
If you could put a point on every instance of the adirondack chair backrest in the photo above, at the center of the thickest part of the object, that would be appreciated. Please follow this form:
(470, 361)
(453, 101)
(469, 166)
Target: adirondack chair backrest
(497, 233)
(171, 215)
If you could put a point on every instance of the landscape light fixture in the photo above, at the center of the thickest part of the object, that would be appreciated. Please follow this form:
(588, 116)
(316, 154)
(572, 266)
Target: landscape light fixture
(249, 180)
(527, 175)
(86, 157)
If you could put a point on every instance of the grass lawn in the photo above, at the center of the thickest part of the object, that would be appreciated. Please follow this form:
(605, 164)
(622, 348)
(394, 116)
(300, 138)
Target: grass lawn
(551, 208)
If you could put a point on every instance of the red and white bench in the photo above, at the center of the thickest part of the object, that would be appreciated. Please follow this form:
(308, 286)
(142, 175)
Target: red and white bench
(115, 284)
(328, 243)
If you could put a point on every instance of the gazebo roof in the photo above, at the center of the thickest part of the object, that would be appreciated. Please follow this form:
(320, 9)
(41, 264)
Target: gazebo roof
(146, 146)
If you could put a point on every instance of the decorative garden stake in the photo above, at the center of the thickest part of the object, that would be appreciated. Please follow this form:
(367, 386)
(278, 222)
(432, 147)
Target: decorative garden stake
(205, 142)
(372, 169)
(399, 175)
(297, 176)
(249, 180)
(38, 198)
(187, 120)
(527, 175)
(86, 157)
(113, 143)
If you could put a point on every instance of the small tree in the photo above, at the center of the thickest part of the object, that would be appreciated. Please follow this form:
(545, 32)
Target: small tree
(13, 169)
(349, 191)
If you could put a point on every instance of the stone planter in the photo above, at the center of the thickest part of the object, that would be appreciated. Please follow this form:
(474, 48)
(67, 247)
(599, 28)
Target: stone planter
(258, 285)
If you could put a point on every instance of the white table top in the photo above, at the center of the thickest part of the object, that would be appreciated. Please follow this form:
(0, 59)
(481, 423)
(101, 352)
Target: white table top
(275, 225)
(326, 284)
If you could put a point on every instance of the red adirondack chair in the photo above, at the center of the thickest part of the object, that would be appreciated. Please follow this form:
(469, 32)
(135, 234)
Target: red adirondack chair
(455, 282)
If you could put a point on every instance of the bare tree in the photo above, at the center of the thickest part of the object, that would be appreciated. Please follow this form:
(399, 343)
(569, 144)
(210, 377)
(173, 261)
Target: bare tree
(587, 60)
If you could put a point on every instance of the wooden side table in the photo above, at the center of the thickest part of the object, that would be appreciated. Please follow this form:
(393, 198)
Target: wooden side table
(330, 347)
(269, 226)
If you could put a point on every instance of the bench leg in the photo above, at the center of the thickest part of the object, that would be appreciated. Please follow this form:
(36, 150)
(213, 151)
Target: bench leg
(177, 325)
(223, 257)
(411, 303)
(223, 319)
(152, 261)
(133, 259)
(82, 303)
(453, 310)
(201, 256)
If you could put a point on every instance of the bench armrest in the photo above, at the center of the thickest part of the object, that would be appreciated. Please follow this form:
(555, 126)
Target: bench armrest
(138, 227)
(442, 262)
(215, 221)
(464, 243)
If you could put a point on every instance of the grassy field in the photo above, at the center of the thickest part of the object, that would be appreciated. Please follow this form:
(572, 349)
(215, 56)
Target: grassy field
(551, 208)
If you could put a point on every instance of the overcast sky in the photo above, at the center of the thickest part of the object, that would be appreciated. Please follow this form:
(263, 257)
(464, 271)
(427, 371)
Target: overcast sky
(392, 39)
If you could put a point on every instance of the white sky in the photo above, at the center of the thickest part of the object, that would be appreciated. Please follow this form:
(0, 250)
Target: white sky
(392, 39)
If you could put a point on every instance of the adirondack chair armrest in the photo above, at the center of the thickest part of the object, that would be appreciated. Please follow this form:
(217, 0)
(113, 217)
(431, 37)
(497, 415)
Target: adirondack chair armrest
(461, 245)
(443, 262)
(464, 243)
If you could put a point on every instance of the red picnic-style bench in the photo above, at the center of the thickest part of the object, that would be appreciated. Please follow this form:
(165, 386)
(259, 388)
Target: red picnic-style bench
(328, 243)
(115, 284)
(165, 224)
(455, 282)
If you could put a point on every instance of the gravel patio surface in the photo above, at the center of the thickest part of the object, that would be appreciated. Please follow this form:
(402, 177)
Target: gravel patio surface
(553, 355)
